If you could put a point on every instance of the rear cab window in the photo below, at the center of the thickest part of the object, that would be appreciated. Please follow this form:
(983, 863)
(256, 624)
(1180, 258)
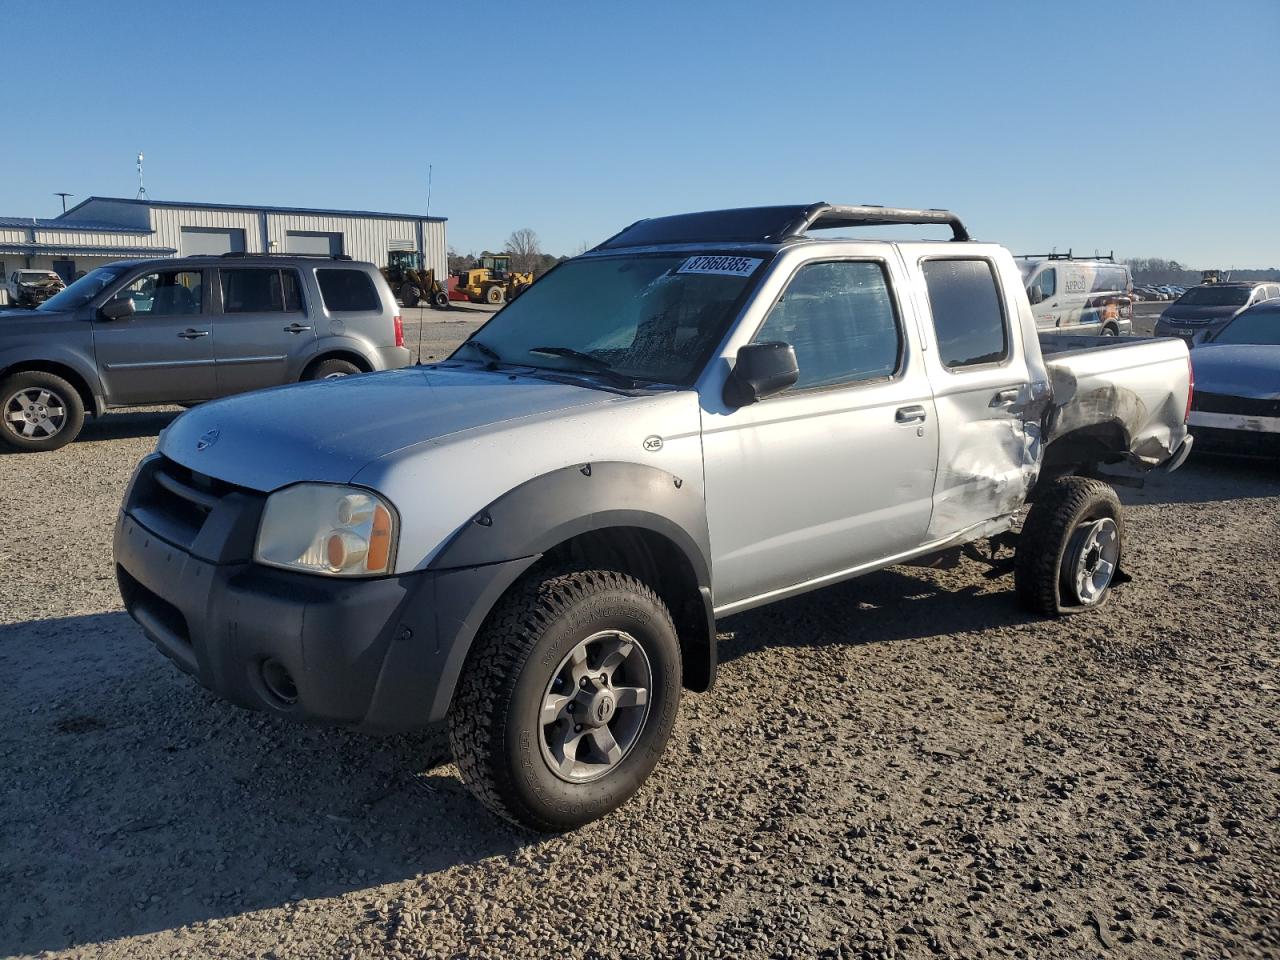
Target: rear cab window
(968, 313)
(348, 291)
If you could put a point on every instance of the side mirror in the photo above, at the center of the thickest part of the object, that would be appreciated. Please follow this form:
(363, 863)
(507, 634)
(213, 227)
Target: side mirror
(762, 369)
(117, 309)
(1035, 295)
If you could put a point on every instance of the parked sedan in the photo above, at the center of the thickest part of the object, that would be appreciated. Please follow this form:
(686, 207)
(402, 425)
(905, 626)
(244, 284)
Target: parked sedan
(1236, 407)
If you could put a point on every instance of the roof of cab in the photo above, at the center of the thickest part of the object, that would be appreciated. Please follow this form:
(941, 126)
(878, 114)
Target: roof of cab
(771, 225)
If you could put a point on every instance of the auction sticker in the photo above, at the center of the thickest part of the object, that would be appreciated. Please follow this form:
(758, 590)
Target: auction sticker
(721, 266)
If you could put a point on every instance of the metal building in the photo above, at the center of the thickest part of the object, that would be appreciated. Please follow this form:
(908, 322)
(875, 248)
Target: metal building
(101, 229)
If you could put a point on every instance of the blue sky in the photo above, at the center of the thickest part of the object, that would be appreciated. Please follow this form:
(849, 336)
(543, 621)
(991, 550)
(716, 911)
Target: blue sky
(1151, 128)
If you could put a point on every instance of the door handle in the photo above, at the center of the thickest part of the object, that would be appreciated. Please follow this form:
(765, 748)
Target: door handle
(190, 334)
(1005, 397)
(296, 328)
(914, 414)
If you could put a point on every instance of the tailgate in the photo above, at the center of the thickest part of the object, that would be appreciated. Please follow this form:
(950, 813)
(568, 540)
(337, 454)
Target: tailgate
(1133, 391)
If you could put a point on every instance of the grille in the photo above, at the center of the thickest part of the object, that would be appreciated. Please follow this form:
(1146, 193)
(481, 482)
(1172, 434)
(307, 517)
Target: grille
(175, 502)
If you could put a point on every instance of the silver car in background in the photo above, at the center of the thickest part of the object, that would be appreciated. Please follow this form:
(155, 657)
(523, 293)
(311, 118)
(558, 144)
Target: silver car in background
(187, 330)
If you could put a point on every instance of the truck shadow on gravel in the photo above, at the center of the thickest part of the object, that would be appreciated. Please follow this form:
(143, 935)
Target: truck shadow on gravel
(899, 603)
(134, 802)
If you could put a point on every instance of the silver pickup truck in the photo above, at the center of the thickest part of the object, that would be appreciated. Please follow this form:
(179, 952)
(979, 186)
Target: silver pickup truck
(532, 540)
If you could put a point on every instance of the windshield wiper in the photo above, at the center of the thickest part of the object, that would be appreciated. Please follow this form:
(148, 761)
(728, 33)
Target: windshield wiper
(484, 349)
(595, 364)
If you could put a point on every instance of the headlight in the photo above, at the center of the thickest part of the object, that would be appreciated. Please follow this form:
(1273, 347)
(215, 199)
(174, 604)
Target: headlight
(327, 529)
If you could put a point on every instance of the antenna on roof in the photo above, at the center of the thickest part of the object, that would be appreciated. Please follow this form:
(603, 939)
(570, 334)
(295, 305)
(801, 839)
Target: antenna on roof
(64, 199)
(142, 190)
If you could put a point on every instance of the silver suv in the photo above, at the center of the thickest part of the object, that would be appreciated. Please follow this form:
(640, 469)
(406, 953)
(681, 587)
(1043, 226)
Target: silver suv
(182, 331)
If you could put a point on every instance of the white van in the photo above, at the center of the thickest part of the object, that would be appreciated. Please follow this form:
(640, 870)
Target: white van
(1079, 295)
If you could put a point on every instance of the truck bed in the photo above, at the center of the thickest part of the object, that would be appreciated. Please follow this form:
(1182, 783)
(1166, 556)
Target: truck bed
(1128, 394)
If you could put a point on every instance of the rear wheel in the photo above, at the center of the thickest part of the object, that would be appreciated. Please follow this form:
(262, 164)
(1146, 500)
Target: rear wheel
(567, 699)
(494, 294)
(332, 370)
(1070, 548)
(441, 300)
(40, 411)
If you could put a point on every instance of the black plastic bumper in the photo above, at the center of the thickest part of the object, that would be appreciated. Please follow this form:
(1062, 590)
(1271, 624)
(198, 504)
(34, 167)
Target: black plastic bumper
(382, 654)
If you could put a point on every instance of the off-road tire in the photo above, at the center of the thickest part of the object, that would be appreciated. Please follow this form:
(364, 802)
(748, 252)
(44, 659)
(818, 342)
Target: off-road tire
(440, 300)
(410, 294)
(331, 369)
(494, 731)
(66, 394)
(495, 295)
(1046, 538)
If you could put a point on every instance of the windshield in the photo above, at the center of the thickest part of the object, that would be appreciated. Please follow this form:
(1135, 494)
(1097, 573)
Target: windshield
(647, 318)
(1215, 296)
(1252, 326)
(36, 276)
(84, 289)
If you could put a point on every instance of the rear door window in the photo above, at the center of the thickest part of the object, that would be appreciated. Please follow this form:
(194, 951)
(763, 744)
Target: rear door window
(968, 318)
(347, 291)
(260, 290)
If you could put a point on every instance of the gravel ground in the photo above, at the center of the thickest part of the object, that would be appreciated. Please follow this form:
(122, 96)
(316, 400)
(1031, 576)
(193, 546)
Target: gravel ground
(900, 766)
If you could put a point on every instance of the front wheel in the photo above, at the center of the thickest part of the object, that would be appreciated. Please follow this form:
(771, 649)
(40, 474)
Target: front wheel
(1070, 548)
(567, 699)
(494, 295)
(410, 294)
(41, 411)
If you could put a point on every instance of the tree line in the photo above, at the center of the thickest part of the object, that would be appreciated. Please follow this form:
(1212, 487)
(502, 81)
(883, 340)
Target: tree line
(1156, 270)
(524, 249)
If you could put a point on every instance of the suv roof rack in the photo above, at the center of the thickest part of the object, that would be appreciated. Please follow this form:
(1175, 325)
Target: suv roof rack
(1066, 256)
(773, 224)
(234, 254)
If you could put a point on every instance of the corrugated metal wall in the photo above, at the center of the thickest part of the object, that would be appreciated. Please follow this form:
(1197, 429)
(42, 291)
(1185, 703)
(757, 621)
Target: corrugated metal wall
(363, 238)
(167, 222)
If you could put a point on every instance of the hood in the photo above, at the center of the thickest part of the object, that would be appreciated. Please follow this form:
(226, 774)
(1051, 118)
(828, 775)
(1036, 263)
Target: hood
(1187, 312)
(23, 313)
(328, 430)
(1237, 369)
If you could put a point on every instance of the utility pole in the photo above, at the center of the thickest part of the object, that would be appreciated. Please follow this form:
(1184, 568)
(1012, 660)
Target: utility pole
(64, 199)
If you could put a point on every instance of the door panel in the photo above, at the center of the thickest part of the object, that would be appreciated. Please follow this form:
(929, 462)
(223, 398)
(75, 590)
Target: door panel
(801, 487)
(830, 475)
(164, 352)
(982, 394)
(261, 324)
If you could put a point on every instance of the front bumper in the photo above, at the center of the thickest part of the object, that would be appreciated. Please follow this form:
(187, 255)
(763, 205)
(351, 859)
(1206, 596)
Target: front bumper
(382, 654)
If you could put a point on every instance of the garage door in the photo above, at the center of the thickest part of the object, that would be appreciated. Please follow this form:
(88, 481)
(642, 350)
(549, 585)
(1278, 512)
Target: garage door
(214, 240)
(307, 241)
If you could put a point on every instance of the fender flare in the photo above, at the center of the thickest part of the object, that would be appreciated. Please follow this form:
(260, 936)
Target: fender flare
(539, 514)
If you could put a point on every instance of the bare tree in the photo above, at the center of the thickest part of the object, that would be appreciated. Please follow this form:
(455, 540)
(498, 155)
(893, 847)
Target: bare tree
(525, 250)
(459, 261)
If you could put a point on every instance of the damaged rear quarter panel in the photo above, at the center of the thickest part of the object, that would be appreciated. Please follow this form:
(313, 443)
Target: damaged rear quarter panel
(1134, 390)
